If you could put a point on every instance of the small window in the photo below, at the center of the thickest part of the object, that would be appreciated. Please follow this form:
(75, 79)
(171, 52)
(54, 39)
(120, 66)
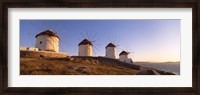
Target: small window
(40, 42)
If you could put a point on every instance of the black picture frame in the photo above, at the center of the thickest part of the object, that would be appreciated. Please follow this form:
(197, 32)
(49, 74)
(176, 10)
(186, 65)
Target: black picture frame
(194, 4)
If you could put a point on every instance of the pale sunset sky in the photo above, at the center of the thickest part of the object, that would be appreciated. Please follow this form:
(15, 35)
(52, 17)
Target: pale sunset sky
(148, 40)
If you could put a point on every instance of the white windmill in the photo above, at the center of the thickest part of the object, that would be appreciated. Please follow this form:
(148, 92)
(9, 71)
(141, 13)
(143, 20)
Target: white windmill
(47, 40)
(111, 51)
(112, 47)
(86, 45)
(124, 56)
(85, 48)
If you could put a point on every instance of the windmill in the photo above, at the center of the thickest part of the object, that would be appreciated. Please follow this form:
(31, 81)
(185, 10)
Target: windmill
(48, 40)
(88, 44)
(124, 55)
(111, 47)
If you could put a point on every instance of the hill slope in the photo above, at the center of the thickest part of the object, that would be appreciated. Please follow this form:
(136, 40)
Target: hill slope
(82, 66)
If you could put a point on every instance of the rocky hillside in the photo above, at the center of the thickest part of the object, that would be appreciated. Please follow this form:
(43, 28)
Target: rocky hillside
(83, 66)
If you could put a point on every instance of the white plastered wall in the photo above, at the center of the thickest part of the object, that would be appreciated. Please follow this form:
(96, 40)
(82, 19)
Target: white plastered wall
(111, 52)
(47, 43)
(123, 58)
(85, 50)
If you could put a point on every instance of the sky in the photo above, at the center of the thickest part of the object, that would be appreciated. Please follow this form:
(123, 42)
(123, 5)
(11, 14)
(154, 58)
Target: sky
(147, 40)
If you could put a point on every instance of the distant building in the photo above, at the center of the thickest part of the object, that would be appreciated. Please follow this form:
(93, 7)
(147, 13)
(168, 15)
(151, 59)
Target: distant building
(85, 48)
(111, 51)
(28, 49)
(123, 56)
(47, 41)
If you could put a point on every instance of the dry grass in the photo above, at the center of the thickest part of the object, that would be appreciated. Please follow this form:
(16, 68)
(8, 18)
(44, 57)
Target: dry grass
(75, 66)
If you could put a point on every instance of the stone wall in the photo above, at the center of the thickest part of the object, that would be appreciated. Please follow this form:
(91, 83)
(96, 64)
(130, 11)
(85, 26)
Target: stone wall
(45, 54)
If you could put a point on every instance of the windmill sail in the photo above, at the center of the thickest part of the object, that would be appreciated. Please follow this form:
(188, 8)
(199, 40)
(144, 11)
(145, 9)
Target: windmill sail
(87, 47)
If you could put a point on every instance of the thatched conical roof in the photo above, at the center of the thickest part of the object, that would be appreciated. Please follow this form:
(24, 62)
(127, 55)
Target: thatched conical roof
(110, 45)
(124, 53)
(48, 33)
(85, 42)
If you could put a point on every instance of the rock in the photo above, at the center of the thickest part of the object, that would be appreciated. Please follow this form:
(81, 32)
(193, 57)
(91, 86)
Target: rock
(166, 73)
(82, 69)
(95, 62)
(71, 59)
(87, 61)
(42, 56)
(76, 60)
(169, 73)
(148, 72)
